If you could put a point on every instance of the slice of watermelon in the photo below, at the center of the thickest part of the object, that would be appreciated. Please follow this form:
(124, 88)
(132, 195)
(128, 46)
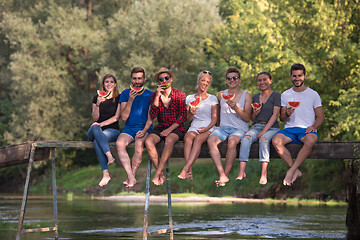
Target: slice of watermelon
(137, 89)
(227, 97)
(103, 94)
(293, 104)
(257, 105)
(195, 103)
(165, 85)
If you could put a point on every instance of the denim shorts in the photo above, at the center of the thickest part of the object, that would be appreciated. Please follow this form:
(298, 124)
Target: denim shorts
(296, 133)
(223, 133)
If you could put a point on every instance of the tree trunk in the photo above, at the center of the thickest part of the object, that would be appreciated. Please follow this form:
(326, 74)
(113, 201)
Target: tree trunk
(353, 199)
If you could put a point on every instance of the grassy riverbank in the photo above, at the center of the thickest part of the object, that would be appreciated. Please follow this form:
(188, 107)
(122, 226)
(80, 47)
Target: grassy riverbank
(321, 180)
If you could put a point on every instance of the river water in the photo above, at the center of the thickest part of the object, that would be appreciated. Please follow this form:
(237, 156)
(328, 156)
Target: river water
(86, 219)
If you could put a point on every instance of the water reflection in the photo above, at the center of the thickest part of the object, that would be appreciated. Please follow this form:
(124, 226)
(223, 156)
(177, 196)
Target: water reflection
(100, 219)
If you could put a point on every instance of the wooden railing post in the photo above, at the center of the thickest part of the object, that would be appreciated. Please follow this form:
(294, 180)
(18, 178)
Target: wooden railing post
(353, 199)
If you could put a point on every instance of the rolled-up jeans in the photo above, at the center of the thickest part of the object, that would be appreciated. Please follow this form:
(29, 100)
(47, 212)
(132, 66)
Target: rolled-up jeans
(101, 139)
(264, 145)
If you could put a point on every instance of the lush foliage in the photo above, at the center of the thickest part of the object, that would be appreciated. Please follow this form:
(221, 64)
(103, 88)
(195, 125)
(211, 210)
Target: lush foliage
(54, 53)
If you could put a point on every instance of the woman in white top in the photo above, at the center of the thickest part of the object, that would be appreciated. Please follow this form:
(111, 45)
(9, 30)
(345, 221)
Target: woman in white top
(203, 119)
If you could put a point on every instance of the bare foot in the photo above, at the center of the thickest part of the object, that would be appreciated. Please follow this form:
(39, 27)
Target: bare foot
(156, 181)
(297, 174)
(241, 177)
(263, 180)
(182, 175)
(288, 178)
(104, 181)
(131, 183)
(162, 178)
(189, 176)
(111, 160)
(126, 182)
(222, 181)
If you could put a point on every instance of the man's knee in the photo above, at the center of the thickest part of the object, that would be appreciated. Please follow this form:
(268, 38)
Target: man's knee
(233, 141)
(309, 139)
(277, 141)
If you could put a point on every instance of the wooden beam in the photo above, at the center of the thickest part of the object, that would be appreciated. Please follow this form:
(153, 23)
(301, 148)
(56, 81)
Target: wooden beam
(18, 154)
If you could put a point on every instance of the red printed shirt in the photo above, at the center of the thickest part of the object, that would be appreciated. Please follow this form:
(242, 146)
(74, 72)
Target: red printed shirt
(175, 113)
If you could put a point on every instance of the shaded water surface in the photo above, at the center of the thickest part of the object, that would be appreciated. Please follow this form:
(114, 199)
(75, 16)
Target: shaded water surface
(100, 219)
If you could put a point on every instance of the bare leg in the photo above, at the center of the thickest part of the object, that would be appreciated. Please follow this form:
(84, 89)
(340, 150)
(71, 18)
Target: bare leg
(293, 173)
(213, 142)
(138, 153)
(233, 141)
(170, 140)
(242, 174)
(110, 157)
(105, 178)
(196, 148)
(263, 178)
(188, 146)
(121, 143)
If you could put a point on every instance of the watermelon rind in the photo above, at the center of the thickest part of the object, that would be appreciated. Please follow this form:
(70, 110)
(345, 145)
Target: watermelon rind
(227, 97)
(165, 85)
(293, 104)
(137, 89)
(195, 103)
(257, 105)
(103, 93)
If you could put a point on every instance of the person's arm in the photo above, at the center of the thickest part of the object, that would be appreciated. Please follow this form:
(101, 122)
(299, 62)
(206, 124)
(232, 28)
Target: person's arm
(154, 109)
(219, 108)
(149, 122)
(285, 113)
(319, 113)
(126, 106)
(274, 116)
(95, 108)
(181, 114)
(111, 120)
(246, 113)
(190, 113)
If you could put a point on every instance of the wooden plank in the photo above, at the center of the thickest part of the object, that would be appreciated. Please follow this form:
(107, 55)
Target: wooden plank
(20, 153)
(322, 150)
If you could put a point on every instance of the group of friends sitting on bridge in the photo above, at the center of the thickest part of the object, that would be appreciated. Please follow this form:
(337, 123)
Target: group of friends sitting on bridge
(216, 119)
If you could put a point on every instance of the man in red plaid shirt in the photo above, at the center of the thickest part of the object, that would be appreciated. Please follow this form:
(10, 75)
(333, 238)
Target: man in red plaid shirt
(168, 105)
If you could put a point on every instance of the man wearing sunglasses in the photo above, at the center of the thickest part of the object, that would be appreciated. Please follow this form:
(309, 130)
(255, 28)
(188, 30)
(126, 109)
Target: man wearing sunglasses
(235, 115)
(168, 105)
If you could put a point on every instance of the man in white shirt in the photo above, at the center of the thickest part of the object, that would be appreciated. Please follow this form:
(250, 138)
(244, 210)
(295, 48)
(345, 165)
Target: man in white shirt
(302, 121)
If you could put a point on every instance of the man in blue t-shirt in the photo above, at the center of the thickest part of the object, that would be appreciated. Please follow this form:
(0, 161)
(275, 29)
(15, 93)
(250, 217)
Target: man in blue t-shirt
(134, 105)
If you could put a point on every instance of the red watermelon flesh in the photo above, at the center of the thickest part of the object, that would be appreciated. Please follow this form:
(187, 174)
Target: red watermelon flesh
(227, 97)
(257, 105)
(293, 104)
(103, 94)
(137, 89)
(196, 103)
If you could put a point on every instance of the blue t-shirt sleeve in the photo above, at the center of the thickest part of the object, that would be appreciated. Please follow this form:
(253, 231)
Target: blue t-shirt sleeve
(124, 97)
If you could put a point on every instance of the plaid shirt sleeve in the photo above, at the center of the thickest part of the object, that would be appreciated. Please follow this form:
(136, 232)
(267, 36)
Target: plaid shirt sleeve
(154, 110)
(181, 117)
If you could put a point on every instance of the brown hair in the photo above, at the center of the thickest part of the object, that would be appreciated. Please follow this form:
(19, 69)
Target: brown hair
(231, 70)
(115, 93)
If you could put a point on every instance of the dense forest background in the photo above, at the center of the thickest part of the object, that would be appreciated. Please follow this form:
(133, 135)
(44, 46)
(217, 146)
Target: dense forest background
(53, 54)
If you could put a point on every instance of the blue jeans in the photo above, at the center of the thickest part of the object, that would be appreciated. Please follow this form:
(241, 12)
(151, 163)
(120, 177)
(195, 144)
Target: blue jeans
(101, 139)
(264, 147)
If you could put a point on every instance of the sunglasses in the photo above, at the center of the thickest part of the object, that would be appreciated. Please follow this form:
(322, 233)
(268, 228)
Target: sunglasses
(207, 72)
(234, 78)
(164, 78)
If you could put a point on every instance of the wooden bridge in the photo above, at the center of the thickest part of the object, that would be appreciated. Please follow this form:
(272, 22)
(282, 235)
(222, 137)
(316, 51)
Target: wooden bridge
(29, 152)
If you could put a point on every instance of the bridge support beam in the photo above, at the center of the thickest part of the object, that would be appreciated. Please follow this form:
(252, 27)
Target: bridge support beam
(353, 199)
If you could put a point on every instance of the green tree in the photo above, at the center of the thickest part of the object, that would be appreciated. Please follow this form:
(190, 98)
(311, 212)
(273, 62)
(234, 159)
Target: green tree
(157, 33)
(272, 35)
(53, 66)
